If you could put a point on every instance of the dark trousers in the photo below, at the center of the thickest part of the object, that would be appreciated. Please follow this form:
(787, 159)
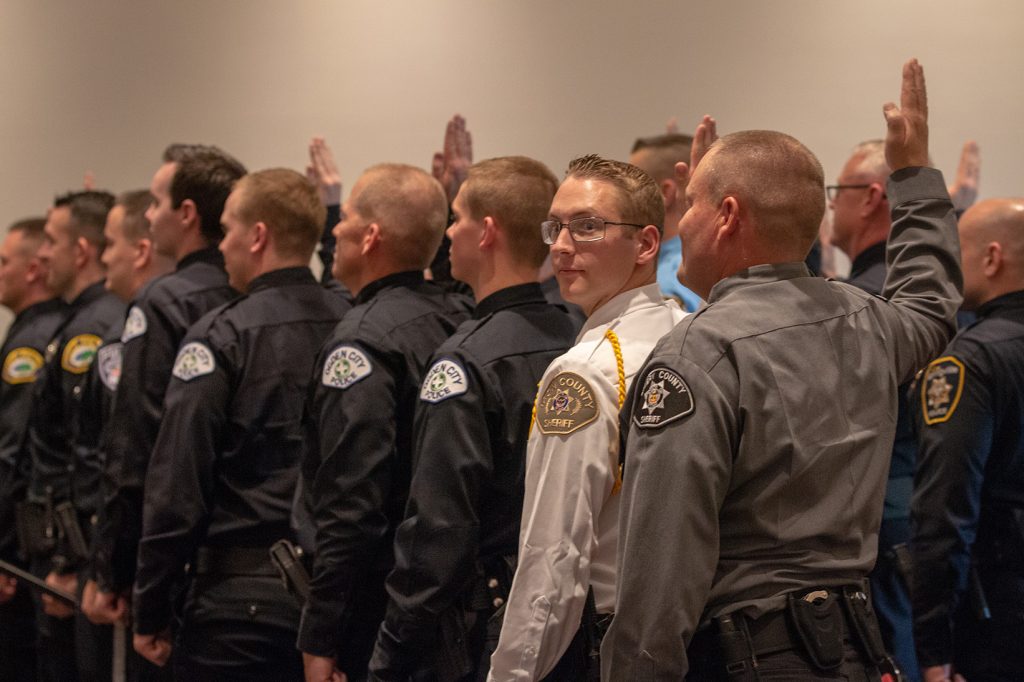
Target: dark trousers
(238, 628)
(17, 638)
(786, 666)
(891, 599)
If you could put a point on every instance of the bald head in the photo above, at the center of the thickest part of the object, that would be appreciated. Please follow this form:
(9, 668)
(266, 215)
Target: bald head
(992, 250)
(409, 206)
(778, 181)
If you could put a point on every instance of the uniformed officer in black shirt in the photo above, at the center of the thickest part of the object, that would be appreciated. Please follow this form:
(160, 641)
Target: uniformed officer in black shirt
(472, 420)
(221, 480)
(359, 413)
(188, 193)
(23, 290)
(968, 503)
(66, 461)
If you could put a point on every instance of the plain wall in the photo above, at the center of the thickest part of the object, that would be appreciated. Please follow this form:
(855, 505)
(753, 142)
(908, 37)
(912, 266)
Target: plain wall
(104, 85)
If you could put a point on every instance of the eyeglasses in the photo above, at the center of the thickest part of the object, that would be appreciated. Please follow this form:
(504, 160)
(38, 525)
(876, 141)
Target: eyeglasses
(580, 229)
(832, 191)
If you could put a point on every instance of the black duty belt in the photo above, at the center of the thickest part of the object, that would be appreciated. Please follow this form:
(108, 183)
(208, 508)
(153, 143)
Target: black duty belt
(252, 561)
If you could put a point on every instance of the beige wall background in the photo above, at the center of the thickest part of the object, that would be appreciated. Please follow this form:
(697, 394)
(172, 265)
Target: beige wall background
(105, 85)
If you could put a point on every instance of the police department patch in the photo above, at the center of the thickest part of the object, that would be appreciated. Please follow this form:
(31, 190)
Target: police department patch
(79, 353)
(941, 389)
(21, 365)
(135, 325)
(194, 359)
(567, 404)
(664, 398)
(345, 366)
(109, 364)
(445, 379)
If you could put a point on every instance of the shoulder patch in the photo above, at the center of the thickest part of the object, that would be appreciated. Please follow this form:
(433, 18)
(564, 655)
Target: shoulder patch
(109, 359)
(941, 389)
(567, 404)
(79, 353)
(21, 365)
(195, 359)
(445, 379)
(135, 325)
(664, 398)
(345, 366)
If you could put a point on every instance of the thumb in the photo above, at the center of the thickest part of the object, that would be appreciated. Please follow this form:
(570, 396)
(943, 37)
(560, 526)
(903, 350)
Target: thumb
(682, 173)
(893, 118)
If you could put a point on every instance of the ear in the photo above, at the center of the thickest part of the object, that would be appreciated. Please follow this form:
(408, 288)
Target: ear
(669, 191)
(259, 238)
(875, 199)
(648, 239)
(371, 239)
(34, 271)
(84, 252)
(489, 235)
(992, 262)
(143, 254)
(189, 213)
(727, 222)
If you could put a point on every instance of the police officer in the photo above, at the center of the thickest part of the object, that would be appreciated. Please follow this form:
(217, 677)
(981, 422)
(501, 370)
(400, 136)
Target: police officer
(604, 227)
(360, 411)
(968, 546)
(461, 529)
(751, 490)
(221, 479)
(64, 446)
(38, 314)
(188, 193)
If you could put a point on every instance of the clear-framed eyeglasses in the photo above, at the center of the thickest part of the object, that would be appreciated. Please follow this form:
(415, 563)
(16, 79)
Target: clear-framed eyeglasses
(580, 229)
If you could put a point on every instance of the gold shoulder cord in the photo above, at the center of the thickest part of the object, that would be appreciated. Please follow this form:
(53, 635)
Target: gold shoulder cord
(617, 348)
(613, 339)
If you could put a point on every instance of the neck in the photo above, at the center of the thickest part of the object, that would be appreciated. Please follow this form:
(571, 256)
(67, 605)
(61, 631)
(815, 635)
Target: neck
(85, 278)
(189, 245)
(496, 277)
(32, 297)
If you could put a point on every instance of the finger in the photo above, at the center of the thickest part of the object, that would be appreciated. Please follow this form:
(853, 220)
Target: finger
(468, 155)
(437, 165)
(912, 92)
(450, 143)
(672, 126)
(682, 174)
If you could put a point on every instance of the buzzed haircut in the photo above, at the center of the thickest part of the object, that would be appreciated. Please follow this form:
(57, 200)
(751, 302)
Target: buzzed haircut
(778, 178)
(641, 198)
(135, 226)
(663, 152)
(89, 211)
(204, 174)
(410, 207)
(517, 192)
(288, 204)
(32, 234)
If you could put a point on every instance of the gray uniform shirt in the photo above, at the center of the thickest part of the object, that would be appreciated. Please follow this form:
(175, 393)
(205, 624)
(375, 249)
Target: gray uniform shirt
(760, 435)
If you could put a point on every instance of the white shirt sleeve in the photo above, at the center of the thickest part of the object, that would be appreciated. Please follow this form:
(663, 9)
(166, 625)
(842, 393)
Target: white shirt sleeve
(568, 480)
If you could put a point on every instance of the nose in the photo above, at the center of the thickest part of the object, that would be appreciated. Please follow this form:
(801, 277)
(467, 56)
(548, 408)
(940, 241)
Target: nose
(563, 242)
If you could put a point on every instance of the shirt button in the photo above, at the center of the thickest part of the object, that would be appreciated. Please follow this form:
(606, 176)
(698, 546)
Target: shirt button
(252, 610)
(498, 601)
(492, 583)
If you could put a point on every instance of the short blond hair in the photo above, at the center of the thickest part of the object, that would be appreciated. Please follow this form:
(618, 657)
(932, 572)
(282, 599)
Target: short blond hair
(288, 204)
(517, 192)
(409, 206)
(640, 197)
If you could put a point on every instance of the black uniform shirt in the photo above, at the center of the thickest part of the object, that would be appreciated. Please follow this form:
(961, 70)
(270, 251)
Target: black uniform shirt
(359, 422)
(22, 356)
(66, 459)
(969, 485)
(157, 320)
(226, 460)
(465, 502)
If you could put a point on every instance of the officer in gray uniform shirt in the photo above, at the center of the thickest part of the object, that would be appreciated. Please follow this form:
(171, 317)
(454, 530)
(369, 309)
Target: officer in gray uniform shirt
(761, 427)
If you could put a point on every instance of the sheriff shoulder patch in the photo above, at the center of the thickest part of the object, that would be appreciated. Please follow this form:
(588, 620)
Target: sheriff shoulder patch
(21, 365)
(195, 359)
(79, 353)
(135, 325)
(345, 366)
(941, 388)
(109, 359)
(567, 404)
(664, 398)
(445, 379)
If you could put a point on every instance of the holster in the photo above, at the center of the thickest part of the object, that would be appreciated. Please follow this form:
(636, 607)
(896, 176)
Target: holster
(287, 558)
(76, 548)
(37, 536)
(817, 619)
